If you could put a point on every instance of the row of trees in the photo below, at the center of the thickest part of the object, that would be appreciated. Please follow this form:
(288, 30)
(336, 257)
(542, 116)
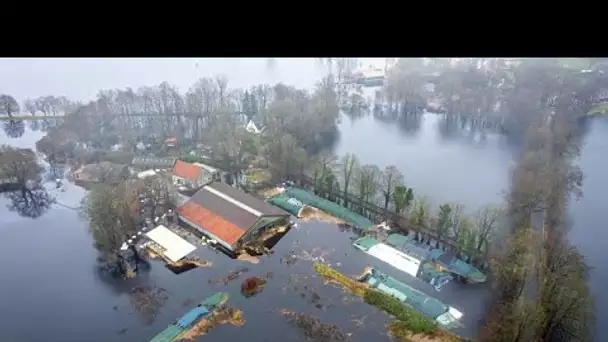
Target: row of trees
(481, 91)
(541, 291)
(355, 186)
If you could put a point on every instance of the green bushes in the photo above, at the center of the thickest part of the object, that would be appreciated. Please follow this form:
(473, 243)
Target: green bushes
(406, 317)
(408, 322)
(333, 275)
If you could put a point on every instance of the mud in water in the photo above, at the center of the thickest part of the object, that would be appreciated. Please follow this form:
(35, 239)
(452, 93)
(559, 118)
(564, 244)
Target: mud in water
(252, 286)
(147, 301)
(310, 213)
(248, 258)
(232, 275)
(222, 316)
(313, 329)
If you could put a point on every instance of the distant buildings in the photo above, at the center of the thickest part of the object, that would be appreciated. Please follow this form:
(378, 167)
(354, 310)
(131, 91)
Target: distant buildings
(189, 175)
(145, 163)
(230, 216)
(102, 172)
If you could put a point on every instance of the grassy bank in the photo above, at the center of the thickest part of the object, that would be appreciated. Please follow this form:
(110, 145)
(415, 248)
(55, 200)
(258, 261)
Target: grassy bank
(408, 326)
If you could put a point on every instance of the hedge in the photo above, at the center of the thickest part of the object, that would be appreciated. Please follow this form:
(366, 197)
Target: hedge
(408, 322)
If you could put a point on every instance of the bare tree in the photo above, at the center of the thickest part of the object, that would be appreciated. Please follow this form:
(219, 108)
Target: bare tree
(367, 178)
(486, 222)
(349, 165)
(391, 178)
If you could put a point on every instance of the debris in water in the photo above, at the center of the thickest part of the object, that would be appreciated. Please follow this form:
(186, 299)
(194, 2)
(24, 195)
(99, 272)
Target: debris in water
(188, 302)
(267, 193)
(252, 286)
(232, 275)
(148, 300)
(187, 264)
(313, 328)
(248, 258)
(222, 316)
(310, 213)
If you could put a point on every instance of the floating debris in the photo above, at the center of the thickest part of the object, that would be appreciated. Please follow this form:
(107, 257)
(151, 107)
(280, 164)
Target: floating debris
(248, 258)
(252, 286)
(222, 316)
(267, 193)
(310, 213)
(232, 275)
(187, 264)
(313, 328)
(147, 301)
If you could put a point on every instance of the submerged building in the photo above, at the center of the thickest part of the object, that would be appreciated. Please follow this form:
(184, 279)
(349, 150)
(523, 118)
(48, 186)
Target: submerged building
(230, 216)
(413, 261)
(442, 261)
(334, 209)
(443, 314)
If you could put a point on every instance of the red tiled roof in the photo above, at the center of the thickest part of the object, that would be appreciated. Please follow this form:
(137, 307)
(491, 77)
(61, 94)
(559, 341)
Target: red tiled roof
(217, 225)
(186, 170)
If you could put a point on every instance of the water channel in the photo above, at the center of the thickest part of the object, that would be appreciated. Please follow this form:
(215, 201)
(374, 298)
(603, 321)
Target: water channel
(51, 288)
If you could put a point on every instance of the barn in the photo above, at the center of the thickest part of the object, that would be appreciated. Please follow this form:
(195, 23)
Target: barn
(229, 215)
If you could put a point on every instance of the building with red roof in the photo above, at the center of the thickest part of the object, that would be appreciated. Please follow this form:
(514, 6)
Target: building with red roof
(190, 175)
(229, 216)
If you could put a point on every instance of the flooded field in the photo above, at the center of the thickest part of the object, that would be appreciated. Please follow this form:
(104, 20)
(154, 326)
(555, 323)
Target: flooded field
(56, 250)
(82, 291)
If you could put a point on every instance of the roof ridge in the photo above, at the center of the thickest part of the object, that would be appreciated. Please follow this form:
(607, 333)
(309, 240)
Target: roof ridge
(233, 200)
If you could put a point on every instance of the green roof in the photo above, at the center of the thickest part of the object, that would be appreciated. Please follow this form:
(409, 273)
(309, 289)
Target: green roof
(424, 304)
(366, 242)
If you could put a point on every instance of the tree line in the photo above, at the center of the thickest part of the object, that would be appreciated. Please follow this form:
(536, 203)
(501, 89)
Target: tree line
(541, 291)
(476, 92)
(355, 186)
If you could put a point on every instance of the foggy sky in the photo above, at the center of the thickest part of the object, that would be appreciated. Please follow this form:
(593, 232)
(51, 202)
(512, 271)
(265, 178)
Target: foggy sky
(82, 78)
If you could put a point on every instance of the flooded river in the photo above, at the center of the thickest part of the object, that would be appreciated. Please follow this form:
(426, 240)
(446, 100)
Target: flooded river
(51, 288)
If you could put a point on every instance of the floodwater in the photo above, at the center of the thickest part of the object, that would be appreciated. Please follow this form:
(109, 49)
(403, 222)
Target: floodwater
(589, 217)
(51, 288)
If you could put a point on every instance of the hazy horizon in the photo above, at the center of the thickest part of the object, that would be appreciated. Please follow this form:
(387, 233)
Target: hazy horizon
(81, 78)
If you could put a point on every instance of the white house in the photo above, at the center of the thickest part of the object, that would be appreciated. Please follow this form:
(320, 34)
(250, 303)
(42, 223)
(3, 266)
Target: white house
(254, 127)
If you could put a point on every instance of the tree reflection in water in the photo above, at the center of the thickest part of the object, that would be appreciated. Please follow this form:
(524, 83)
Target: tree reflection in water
(14, 128)
(31, 203)
(34, 125)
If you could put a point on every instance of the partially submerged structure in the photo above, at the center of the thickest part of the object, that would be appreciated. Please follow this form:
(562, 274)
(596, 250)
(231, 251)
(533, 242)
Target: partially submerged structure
(175, 331)
(443, 314)
(412, 261)
(442, 261)
(289, 204)
(174, 248)
(230, 216)
(334, 209)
